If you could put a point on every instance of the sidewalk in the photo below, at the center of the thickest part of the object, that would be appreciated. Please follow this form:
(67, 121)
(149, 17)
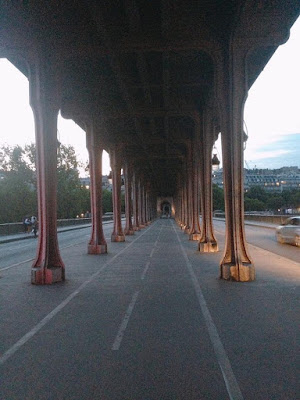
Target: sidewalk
(23, 236)
(151, 320)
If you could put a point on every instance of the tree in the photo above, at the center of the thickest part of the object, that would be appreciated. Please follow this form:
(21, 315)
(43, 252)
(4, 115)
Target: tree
(107, 205)
(258, 193)
(218, 198)
(17, 188)
(18, 194)
(254, 205)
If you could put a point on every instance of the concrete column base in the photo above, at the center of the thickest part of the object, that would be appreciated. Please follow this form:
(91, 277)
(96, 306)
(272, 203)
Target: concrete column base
(195, 236)
(142, 226)
(136, 228)
(240, 273)
(129, 231)
(117, 238)
(97, 248)
(208, 247)
(187, 229)
(47, 276)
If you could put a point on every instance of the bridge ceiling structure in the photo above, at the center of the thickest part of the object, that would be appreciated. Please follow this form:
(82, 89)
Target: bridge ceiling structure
(153, 82)
(141, 68)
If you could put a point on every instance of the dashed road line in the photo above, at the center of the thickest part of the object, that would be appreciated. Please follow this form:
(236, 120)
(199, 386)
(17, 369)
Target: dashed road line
(24, 339)
(145, 270)
(231, 383)
(117, 343)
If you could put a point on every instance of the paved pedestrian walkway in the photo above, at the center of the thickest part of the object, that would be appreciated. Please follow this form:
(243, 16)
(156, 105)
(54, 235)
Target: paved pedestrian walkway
(151, 320)
(23, 236)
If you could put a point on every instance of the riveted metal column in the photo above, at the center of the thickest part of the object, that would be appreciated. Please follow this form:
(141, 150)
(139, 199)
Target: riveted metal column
(188, 188)
(97, 243)
(147, 211)
(135, 201)
(184, 199)
(207, 242)
(128, 200)
(48, 266)
(118, 234)
(141, 203)
(236, 263)
(194, 233)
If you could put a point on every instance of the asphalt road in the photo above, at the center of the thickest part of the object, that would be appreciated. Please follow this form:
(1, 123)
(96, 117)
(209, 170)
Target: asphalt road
(263, 238)
(13, 253)
(149, 321)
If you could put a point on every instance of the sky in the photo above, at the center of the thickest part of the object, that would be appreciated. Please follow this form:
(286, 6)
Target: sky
(272, 112)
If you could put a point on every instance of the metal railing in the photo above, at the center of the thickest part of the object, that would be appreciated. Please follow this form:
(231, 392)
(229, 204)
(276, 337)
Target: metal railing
(18, 227)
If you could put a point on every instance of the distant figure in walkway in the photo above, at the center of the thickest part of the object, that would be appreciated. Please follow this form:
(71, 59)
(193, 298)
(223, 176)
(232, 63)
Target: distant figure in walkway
(34, 225)
(27, 224)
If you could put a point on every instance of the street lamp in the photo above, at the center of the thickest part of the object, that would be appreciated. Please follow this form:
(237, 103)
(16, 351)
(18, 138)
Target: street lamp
(215, 162)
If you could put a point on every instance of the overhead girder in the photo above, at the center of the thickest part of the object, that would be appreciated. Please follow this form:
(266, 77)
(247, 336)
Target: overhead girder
(155, 80)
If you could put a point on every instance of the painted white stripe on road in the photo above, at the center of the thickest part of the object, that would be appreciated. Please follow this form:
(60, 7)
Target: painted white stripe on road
(24, 339)
(152, 251)
(17, 264)
(145, 270)
(123, 326)
(231, 383)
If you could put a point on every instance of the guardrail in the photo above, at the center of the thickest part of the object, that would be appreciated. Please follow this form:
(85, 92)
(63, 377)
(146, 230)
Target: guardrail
(271, 219)
(18, 227)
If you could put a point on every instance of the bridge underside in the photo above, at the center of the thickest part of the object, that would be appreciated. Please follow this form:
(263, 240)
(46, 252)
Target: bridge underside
(154, 83)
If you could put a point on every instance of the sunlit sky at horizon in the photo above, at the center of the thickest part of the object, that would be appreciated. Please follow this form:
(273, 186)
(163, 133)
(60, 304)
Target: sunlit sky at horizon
(272, 112)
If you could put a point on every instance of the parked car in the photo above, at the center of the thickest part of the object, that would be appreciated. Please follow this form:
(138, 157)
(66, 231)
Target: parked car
(289, 231)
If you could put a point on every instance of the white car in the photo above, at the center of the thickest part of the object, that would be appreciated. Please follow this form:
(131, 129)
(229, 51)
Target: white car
(289, 231)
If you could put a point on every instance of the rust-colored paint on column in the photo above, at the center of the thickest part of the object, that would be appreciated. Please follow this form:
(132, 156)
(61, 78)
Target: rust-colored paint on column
(236, 263)
(128, 201)
(194, 233)
(135, 200)
(141, 203)
(48, 266)
(207, 242)
(118, 234)
(97, 243)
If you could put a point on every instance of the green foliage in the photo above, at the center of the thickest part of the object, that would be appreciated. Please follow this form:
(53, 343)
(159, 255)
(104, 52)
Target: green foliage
(254, 205)
(18, 195)
(107, 205)
(258, 193)
(257, 199)
(218, 198)
(17, 188)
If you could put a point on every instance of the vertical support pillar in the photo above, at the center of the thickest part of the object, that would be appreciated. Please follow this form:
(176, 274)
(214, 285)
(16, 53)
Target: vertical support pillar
(194, 233)
(188, 188)
(128, 201)
(48, 266)
(141, 203)
(236, 263)
(207, 242)
(184, 200)
(135, 200)
(97, 243)
(118, 234)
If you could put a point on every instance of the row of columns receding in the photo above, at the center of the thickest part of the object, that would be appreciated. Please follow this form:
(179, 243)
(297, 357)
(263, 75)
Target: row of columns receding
(48, 267)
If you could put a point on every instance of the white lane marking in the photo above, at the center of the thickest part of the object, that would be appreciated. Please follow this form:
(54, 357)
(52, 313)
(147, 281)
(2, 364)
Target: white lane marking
(117, 343)
(17, 248)
(24, 339)
(152, 251)
(145, 270)
(31, 259)
(17, 264)
(231, 383)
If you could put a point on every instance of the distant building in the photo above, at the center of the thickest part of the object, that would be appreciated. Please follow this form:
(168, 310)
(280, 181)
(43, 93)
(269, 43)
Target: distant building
(272, 180)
